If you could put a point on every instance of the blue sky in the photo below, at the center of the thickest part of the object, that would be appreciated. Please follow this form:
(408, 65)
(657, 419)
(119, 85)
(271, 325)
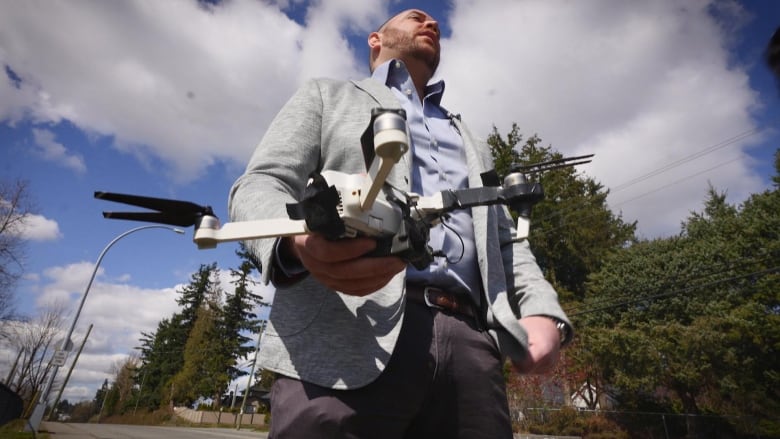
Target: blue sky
(168, 99)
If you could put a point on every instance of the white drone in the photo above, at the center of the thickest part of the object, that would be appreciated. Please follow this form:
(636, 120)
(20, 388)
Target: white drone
(340, 205)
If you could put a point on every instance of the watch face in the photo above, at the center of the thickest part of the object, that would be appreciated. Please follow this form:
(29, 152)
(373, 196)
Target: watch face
(562, 330)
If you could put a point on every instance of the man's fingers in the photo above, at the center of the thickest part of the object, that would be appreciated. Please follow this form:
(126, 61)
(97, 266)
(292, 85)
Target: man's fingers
(315, 247)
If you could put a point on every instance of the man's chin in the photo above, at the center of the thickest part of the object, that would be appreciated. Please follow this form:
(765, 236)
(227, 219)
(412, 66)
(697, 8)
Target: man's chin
(430, 60)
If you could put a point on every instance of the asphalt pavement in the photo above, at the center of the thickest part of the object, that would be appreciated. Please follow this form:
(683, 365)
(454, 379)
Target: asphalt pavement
(59, 430)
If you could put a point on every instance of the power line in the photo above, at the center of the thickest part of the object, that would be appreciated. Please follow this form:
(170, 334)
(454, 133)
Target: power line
(701, 153)
(564, 213)
(673, 293)
(712, 270)
(676, 182)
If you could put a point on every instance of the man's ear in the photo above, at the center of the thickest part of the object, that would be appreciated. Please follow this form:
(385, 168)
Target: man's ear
(374, 40)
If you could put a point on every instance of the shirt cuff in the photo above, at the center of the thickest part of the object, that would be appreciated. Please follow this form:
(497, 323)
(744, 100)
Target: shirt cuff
(290, 268)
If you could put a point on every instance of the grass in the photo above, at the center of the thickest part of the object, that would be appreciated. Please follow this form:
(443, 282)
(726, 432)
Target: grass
(15, 430)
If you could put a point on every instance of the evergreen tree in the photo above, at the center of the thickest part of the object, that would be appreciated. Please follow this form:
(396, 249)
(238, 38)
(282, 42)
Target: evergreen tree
(193, 295)
(205, 370)
(238, 315)
(162, 351)
(161, 358)
(572, 229)
(690, 323)
(100, 396)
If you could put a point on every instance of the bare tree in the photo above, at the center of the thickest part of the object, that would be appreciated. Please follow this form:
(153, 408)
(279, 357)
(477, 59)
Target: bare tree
(124, 380)
(33, 343)
(15, 206)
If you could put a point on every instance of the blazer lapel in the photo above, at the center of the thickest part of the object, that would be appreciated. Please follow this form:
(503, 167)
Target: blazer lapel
(478, 214)
(381, 94)
(400, 175)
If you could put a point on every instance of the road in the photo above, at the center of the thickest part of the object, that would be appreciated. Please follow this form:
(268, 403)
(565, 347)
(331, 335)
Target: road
(58, 430)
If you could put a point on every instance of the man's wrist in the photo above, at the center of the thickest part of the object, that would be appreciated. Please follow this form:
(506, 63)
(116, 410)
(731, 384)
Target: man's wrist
(285, 259)
(564, 331)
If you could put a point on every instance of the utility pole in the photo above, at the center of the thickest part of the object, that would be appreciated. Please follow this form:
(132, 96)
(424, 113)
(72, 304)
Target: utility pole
(67, 377)
(240, 416)
(13, 369)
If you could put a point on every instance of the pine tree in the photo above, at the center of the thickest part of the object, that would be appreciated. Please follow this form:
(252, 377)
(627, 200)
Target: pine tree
(161, 358)
(691, 322)
(572, 229)
(162, 352)
(204, 372)
(238, 316)
(193, 295)
(100, 396)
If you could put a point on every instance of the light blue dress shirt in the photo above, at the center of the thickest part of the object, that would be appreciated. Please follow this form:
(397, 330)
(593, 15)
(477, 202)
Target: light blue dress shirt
(439, 163)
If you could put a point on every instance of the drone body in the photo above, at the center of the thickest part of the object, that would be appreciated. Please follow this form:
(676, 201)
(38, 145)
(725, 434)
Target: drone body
(340, 205)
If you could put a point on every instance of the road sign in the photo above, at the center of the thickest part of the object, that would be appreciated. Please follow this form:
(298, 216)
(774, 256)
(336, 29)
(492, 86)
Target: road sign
(59, 358)
(66, 345)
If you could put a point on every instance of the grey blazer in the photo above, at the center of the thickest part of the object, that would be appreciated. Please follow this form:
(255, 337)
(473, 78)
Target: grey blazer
(339, 341)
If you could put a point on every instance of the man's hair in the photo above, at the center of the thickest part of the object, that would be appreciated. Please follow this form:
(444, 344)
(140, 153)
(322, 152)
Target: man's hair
(382, 26)
(393, 15)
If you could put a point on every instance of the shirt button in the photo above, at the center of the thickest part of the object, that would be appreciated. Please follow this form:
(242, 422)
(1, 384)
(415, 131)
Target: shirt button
(398, 64)
(408, 92)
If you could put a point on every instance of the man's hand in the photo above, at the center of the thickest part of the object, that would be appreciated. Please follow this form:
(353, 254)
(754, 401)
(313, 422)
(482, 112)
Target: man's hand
(339, 265)
(544, 344)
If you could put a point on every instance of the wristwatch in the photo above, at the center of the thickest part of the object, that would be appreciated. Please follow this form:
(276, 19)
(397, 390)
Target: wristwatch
(563, 329)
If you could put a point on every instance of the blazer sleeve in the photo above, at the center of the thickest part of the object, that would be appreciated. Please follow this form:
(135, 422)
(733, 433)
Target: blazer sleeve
(529, 293)
(278, 170)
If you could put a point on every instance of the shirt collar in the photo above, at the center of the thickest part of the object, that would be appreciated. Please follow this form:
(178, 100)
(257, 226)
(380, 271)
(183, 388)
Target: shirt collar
(393, 74)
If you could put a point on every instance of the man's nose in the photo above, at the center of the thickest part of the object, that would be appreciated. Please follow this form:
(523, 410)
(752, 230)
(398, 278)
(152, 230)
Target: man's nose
(433, 24)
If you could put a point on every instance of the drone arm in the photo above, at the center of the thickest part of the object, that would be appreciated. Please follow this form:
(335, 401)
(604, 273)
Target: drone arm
(208, 233)
(390, 143)
(520, 197)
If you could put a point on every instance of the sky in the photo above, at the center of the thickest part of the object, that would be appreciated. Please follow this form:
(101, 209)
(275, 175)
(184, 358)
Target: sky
(169, 99)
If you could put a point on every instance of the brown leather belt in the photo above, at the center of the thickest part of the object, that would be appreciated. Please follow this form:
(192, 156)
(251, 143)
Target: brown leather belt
(438, 298)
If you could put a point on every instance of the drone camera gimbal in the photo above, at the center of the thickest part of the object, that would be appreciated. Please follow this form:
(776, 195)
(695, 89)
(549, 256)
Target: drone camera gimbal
(340, 205)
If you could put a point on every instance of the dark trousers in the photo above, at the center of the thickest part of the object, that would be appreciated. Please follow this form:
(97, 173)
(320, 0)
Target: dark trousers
(444, 380)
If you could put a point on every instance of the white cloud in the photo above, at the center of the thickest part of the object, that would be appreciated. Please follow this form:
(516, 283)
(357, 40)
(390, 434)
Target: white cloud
(640, 84)
(168, 79)
(325, 50)
(53, 151)
(38, 228)
(188, 84)
(30, 226)
(119, 313)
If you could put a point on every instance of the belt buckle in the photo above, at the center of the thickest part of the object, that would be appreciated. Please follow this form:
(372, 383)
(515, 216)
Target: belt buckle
(427, 299)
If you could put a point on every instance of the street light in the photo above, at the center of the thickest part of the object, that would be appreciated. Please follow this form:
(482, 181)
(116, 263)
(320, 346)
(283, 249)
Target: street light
(40, 408)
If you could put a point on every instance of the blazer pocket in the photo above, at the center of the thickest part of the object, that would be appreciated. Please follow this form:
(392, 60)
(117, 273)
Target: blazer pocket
(295, 308)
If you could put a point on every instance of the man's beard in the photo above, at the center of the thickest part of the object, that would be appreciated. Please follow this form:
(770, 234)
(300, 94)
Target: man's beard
(401, 41)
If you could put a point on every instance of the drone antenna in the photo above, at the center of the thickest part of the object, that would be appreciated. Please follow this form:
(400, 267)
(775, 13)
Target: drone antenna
(565, 162)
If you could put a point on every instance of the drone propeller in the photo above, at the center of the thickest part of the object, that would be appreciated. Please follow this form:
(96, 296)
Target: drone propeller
(172, 212)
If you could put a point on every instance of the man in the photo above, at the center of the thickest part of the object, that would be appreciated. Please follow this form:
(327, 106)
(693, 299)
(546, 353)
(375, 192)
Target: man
(366, 347)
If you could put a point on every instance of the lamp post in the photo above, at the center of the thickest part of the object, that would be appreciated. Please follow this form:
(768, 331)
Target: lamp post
(40, 408)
